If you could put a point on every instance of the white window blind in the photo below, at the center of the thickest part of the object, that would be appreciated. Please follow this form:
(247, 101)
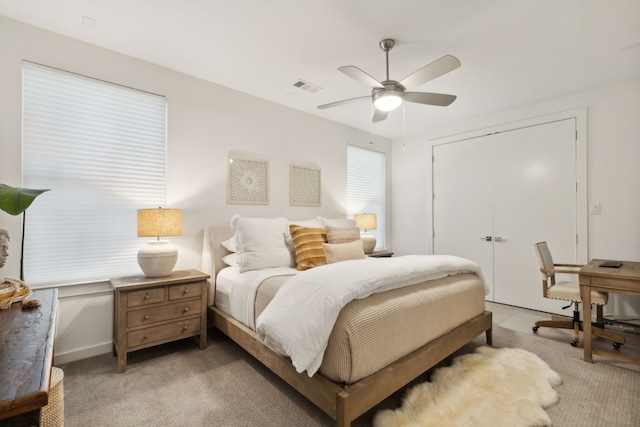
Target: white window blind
(100, 148)
(366, 187)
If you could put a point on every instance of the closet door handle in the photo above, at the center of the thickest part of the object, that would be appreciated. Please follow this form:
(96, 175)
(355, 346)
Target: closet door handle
(500, 239)
(487, 238)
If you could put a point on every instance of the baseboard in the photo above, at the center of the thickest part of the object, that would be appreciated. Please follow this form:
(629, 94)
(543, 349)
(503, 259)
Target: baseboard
(82, 353)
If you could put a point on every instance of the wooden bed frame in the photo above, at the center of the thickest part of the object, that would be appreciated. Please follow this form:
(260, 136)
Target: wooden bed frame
(345, 403)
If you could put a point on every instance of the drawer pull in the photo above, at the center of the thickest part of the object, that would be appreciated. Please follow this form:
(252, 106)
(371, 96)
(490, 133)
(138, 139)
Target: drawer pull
(186, 309)
(146, 317)
(146, 336)
(185, 327)
(186, 290)
(146, 295)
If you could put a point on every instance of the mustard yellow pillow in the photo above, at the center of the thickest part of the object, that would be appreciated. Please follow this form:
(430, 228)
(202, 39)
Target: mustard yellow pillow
(337, 252)
(307, 243)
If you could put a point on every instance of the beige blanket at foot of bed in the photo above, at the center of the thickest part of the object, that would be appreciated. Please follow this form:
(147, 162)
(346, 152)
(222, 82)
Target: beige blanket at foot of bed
(373, 332)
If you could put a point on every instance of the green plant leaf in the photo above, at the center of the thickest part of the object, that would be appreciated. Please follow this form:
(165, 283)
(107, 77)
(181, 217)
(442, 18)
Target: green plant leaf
(15, 201)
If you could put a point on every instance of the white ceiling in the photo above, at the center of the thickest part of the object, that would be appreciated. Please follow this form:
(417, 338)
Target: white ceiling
(513, 52)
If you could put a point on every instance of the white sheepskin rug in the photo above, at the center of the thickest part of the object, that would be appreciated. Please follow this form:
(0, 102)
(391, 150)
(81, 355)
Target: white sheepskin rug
(491, 387)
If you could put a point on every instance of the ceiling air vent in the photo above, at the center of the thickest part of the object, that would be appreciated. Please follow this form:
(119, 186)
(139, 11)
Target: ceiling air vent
(306, 86)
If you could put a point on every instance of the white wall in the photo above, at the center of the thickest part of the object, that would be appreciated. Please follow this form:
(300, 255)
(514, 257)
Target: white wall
(613, 175)
(206, 123)
(411, 189)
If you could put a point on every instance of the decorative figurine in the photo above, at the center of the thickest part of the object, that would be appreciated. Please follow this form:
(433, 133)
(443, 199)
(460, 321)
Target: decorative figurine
(12, 290)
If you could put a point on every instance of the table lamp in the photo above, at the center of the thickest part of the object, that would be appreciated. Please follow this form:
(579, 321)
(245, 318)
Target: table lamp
(158, 257)
(366, 222)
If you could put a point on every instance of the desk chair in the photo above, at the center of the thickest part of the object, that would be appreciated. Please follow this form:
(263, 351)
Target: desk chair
(570, 291)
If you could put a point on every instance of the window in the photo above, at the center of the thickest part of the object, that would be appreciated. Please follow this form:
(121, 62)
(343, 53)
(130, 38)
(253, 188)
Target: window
(366, 187)
(101, 149)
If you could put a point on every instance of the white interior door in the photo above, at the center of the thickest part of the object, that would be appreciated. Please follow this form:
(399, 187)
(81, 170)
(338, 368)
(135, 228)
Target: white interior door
(462, 205)
(517, 187)
(535, 200)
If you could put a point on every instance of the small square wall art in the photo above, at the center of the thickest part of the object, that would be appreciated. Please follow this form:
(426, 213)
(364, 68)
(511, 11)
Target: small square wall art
(304, 186)
(248, 182)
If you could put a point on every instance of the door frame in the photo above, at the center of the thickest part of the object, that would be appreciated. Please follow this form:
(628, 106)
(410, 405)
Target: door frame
(580, 117)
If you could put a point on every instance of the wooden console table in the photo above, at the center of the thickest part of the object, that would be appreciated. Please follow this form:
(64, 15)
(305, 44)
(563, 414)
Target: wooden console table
(622, 280)
(26, 357)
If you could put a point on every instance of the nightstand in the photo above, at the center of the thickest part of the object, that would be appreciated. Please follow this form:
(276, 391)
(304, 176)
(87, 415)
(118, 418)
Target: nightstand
(155, 310)
(381, 254)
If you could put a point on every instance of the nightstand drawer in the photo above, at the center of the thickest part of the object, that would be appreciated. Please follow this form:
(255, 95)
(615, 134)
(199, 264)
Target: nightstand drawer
(147, 296)
(157, 314)
(172, 331)
(189, 290)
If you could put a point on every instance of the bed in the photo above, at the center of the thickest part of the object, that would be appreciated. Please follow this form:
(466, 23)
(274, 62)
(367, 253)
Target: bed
(377, 344)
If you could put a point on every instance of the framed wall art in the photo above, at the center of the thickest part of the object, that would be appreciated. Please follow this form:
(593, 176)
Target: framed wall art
(304, 186)
(248, 181)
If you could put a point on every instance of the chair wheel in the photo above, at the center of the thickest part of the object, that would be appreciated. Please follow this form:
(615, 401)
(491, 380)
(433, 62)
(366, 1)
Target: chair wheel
(617, 345)
(574, 344)
(535, 328)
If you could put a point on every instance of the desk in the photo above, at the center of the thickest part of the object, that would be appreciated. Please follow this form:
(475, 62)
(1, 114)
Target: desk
(622, 280)
(26, 356)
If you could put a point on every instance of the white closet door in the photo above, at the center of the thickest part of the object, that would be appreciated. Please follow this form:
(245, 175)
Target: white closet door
(518, 187)
(463, 205)
(535, 200)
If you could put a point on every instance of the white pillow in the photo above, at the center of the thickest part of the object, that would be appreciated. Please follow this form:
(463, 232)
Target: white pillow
(231, 259)
(336, 252)
(261, 242)
(230, 244)
(340, 223)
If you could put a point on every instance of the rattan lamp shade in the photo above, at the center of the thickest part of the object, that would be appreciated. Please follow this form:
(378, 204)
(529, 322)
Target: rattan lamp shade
(366, 222)
(158, 257)
(159, 222)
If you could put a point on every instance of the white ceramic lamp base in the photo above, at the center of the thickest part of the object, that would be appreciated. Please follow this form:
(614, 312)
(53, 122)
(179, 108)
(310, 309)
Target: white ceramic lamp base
(158, 258)
(368, 242)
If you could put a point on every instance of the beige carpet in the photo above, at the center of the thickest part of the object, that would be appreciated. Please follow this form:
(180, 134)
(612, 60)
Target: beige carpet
(523, 322)
(179, 385)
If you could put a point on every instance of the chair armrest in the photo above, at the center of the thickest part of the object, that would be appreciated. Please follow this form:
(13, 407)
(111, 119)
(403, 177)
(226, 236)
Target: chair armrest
(569, 265)
(559, 271)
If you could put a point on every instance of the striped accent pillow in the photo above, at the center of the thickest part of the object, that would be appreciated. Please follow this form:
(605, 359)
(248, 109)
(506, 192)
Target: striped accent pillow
(307, 243)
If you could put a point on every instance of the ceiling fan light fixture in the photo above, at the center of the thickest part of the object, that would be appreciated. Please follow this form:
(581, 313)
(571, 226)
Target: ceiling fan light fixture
(388, 95)
(387, 100)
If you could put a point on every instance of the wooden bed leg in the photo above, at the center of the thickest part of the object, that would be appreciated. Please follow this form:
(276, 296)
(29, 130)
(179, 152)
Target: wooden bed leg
(343, 409)
(489, 335)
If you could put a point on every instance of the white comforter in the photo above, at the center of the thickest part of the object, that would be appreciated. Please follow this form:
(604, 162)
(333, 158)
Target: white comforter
(299, 319)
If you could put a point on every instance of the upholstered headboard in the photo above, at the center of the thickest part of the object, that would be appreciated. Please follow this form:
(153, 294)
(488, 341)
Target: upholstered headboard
(212, 253)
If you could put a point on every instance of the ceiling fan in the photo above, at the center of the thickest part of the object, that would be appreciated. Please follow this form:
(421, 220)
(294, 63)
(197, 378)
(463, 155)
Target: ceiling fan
(389, 94)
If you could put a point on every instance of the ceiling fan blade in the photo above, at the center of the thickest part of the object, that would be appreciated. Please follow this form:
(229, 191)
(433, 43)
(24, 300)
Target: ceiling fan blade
(379, 115)
(439, 99)
(429, 72)
(344, 101)
(359, 75)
